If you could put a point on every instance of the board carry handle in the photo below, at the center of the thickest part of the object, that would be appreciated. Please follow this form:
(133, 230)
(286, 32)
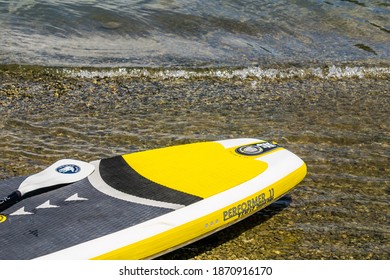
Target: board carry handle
(10, 200)
(60, 173)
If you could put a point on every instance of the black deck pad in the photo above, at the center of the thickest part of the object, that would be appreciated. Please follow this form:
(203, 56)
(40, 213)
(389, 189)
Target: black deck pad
(65, 222)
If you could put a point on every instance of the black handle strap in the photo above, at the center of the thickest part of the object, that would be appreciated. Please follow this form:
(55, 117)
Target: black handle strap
(10, 200)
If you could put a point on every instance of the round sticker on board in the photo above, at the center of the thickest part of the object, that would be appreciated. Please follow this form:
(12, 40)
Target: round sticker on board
(250, 150)
(68, 169)
(2, 218)
(256, 149)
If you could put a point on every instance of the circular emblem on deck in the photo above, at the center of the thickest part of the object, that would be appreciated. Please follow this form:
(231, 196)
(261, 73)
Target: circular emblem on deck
(256, 149)
(68, 169)
(250, 150)
(2, 218)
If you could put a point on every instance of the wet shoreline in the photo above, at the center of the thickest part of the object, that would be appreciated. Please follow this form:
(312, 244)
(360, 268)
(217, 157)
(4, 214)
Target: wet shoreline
(338, 125)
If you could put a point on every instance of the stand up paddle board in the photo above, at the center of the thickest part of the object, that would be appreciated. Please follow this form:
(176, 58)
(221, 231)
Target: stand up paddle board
(144, 204)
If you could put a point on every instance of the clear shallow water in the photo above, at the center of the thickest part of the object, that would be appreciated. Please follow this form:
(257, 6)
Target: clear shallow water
(338, 125)
(193, 33)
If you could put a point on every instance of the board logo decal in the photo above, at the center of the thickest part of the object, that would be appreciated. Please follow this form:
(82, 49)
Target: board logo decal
(249, 206)
(68, 169)
(2, 218)
(256, 149)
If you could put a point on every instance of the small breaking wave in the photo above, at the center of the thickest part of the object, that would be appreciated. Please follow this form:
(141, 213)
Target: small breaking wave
(250, 73)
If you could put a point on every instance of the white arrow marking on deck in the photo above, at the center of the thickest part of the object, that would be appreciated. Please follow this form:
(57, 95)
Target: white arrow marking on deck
(75, 197)
(47, 205)
(21, 211)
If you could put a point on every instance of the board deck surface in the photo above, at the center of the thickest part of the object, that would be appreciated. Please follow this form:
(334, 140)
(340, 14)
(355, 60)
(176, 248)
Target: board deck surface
(143, 204)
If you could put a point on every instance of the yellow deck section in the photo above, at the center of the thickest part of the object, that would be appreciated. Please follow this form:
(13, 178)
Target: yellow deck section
(201, 169)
